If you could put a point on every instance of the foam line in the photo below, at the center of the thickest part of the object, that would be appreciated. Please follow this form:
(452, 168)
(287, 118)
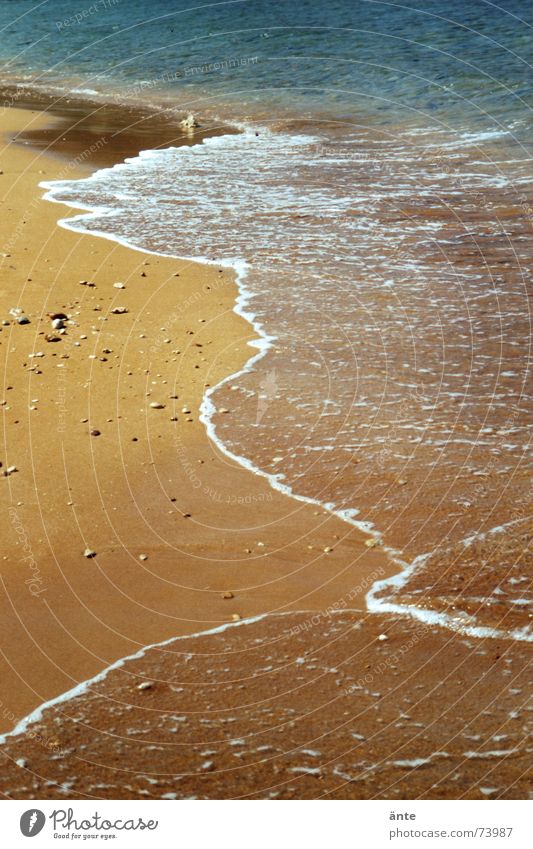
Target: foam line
(262, 344)
(85, 686)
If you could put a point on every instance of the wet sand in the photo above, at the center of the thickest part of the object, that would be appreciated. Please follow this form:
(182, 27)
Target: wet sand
(184, 541)
(292, 707)
(150, 483)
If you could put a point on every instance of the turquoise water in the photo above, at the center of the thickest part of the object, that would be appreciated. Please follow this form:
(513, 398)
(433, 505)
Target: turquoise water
(462, 63)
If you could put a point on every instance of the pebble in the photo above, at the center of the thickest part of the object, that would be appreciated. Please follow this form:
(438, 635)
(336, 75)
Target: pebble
(143, 557)
(236, 617)
(89, 553)
(146, 685)
(372, 542)
(155, 405)
(119, 310)
(185, 410)
(95, 432)
(328, 549)
(23, 319)
(382, 638)
(119, 285)
(227, 594)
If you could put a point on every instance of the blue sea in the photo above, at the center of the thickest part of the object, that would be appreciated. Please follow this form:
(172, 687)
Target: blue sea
(376, 205)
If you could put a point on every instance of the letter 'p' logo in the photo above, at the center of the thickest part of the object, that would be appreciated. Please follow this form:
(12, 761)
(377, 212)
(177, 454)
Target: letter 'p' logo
(32, 822)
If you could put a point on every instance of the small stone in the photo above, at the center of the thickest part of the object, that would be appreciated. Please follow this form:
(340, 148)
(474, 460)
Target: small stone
(119, 310)
(223, 410)
(95, 432)
(227, 594)
(58, 323)
(185, 410)
(156, 405)
(208, 766)
(236, 617)
(11, 470)
(143, 557)
(382, 638)
(89, 553)
(328, 549)
(23, 319)
(119, 285)
(189, 123)
(21, 762)
(146, 685)
(372, 542)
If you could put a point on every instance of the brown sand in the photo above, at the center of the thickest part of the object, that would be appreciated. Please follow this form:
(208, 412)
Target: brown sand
(130, 490)
(301, 705)
(297, 706)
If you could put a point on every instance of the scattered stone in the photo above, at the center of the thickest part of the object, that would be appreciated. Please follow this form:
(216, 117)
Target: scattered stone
(208, 766)
(95, 432)
(372, 542)
(236, 617)
(227, 594)
(185, 410)
(156, 405)
(119, 310)
(223, 410)
(146, 685)
(382, 638)
(143, 557)
(328, 549)
(119, 285)
(89, 553)
(23, 319)
(10, 471)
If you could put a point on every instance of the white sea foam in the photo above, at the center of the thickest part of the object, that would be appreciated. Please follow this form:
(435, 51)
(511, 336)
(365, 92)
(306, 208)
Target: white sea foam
(196, 161)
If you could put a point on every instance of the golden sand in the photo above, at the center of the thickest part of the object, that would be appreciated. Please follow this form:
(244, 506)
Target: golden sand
(184, 539)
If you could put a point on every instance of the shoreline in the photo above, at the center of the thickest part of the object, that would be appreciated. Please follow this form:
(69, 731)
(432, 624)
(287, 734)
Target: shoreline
(291, 574)
(87, 731)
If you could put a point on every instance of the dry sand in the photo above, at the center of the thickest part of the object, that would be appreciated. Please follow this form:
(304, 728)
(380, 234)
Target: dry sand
(129, 491)
(303, 704)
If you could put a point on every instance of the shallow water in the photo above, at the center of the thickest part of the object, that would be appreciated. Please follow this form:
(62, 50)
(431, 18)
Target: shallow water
(380, 199)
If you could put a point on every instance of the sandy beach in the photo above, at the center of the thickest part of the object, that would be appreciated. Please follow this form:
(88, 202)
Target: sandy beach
(108, 461)
(124, 526)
